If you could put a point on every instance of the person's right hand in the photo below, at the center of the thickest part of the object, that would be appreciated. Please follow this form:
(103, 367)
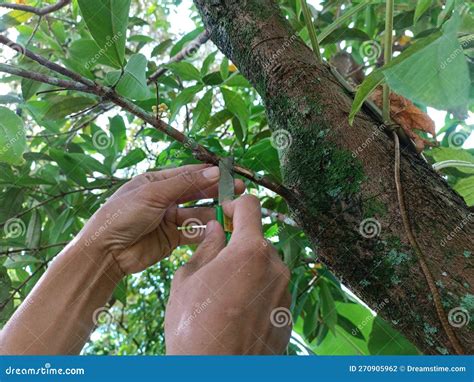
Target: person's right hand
(231, 299)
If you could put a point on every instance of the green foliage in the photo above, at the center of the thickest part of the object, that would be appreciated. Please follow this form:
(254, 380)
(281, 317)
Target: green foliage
(67, 153)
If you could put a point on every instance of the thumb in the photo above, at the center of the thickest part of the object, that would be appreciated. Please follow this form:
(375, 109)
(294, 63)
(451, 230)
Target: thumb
(213, 243)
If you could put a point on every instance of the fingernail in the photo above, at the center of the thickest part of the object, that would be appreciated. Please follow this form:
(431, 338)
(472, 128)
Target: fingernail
(211, 173)
(211, 225)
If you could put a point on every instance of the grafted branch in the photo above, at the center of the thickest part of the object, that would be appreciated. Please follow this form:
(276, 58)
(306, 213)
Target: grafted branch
(199, 152)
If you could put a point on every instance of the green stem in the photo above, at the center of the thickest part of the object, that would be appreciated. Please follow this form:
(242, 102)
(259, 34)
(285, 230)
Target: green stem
(311, 30)
(452, 163)
(387, 57)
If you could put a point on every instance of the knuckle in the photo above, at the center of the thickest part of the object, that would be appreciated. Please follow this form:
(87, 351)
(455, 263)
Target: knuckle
(188, 177)
(249, 199)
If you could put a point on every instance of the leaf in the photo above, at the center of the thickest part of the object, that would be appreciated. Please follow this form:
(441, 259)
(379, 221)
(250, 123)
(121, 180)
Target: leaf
(421, 7)
(133, 82)
(185, 70)
(5, 286)
(132, 158)
(15, 261)
(12, 137)
(328, 307)
(446, 154)
(466, 188)
(87, 52)
(183, 98)
(185, 39)
(107, 21)
(373, 80)
(69, 165)
(408, 116)
(33, 233)
(202, 111)
(119, 132)
(9, 98)
(349, 327)
(14, 18)
(236, 105)
(120, 292)
(224, 68)
(436, 75)
(384, 340)
(161, 47)
(217, 120)
(61, 106)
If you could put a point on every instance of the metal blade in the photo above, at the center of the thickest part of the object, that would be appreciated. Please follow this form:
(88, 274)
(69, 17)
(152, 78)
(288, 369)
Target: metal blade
(226, 180)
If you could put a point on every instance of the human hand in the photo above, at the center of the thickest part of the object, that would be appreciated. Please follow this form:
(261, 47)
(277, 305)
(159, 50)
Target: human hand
(138, 224)
(226, 299)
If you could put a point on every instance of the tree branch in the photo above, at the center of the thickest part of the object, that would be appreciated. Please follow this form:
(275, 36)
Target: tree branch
(37, 11)
(70, 85)
(17, 250)
(199, 152)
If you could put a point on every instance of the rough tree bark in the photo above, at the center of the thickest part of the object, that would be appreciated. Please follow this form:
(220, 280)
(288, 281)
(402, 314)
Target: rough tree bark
(343, 175)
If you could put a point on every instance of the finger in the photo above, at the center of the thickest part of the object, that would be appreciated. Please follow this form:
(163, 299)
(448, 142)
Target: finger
(170, 191)
(195, 215)
(156, 176)
(213, 243)
(246, 217)
(212, 192)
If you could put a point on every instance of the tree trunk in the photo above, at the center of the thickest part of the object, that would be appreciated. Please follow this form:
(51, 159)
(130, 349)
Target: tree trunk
(343, 175)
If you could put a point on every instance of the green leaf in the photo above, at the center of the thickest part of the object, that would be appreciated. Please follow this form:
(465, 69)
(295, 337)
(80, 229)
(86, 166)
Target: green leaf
(421, 7)
(370, 83)
(87, 52)
(466, 188)
(235, 104)
(14, 18)
(120, 292)
(132, 158)
(384, 340)
(183, 98)
(349, 327)
(33, 233)
(70, 166)
(12, 137)
(61, 106)
(161, 47)
(217, 120)
(328, 307)
(224, 68)
(15, 261)
(436, 75)
(202, 111)
(119, 132)
(185, 70)
(185, 39)
(9, 98)
(132, 84)
(107, 21)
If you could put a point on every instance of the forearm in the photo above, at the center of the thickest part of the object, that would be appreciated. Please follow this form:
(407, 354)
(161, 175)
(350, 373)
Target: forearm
(57, 316)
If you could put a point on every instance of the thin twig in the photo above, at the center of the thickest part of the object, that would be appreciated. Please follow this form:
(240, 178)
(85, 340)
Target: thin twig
(37, 11)
(190, 48)
(37, 249)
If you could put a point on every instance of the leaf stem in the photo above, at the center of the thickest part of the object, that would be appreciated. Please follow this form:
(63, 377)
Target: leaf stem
(387, 58)
(311, 30)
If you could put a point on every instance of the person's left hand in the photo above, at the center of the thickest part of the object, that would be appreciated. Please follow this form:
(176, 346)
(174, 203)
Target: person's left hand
(138, 224)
